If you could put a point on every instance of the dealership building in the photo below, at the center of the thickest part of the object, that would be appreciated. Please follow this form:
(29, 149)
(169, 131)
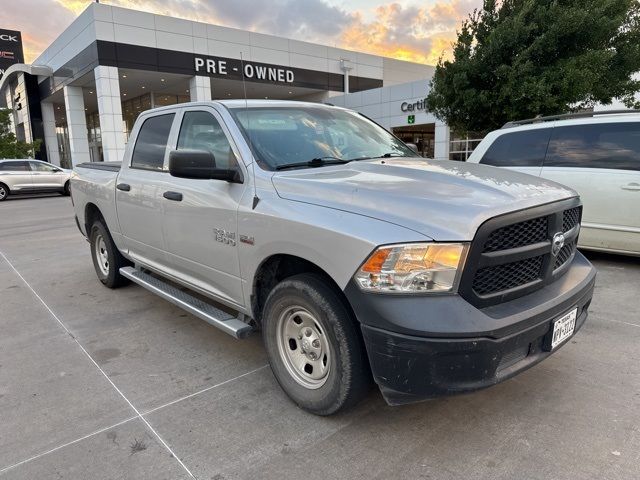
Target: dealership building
(82, 95)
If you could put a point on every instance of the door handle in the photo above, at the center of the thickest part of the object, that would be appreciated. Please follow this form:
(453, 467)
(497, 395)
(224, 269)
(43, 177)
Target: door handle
(633, 186)
(175, 196)
(125, 187)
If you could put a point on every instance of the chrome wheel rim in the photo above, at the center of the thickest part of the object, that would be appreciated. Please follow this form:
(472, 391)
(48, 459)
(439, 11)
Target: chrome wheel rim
(102, 256)
(304, 347)
(3, 193)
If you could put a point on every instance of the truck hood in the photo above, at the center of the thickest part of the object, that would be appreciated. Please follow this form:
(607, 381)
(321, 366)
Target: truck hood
(444, 200)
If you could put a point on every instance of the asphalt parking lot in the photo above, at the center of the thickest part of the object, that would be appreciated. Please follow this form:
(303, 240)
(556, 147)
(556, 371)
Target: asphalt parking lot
(107, 384)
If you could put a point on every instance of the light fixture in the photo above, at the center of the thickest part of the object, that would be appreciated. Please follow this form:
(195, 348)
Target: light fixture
(228, 94)
(290, 93)
(90, 91)
(187, 90)
(124, 76)
(266, 98)
(143, 87)
(162, 79)
(124, 94)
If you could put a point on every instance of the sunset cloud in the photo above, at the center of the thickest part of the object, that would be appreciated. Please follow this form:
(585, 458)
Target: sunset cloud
(405, 30)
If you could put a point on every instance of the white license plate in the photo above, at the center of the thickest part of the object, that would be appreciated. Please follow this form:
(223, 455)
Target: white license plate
(563, 328)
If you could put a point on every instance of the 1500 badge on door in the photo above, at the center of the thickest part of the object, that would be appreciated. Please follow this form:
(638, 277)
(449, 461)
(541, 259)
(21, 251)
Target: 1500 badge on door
(222, 236)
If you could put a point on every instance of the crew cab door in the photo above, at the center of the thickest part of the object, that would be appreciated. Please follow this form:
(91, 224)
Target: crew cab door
(601, 161)
(200, 216)
(139, 199)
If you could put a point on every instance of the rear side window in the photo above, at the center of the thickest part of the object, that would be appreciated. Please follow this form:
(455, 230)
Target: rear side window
(518, 149)
(598, 145)
(151, 143)
(14, 166)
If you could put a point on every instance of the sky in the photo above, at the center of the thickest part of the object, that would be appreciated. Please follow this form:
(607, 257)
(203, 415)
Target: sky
(419, 31)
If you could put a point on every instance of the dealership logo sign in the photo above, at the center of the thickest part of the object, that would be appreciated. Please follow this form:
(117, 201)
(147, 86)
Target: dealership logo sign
(10, 49)
(268, 73)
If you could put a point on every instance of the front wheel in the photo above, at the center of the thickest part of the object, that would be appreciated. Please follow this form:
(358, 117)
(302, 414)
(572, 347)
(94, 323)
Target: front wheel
(4, 192)
(66, 191)
(314, 347)
(107, 260)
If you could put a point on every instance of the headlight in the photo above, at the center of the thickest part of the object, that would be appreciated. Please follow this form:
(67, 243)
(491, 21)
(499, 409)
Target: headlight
(413, 268)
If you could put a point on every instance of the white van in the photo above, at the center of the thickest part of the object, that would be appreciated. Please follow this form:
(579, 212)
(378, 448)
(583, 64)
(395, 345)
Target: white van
(595, 153)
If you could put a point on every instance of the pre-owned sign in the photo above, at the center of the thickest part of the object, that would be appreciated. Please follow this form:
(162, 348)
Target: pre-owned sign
(223, 67)
(10, 49)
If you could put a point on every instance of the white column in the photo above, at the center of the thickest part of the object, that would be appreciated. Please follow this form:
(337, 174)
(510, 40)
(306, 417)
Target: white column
(441, 141)
(110, 112)
(50, 136)
(77, 125)
(200, 89)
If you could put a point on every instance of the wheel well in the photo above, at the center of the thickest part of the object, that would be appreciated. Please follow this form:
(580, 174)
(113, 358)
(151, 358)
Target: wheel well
(275, 269)
(5, 186)
(91, 214)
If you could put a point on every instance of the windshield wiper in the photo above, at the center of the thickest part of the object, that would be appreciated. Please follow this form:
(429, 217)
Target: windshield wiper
(314, 162)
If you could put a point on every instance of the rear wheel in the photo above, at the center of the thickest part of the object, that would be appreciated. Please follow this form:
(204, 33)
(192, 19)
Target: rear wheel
(314, 347)
(107, 260)
(4, 192)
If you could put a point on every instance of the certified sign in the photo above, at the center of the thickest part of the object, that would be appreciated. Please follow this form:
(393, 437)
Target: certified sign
(10, 49)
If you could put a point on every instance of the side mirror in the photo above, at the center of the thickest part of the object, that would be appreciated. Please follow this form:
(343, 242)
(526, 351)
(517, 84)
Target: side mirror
(200, 165)
(413, 147)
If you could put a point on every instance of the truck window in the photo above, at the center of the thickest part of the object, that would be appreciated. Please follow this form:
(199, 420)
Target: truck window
(151, 143)
(597, 145)
(282, 136)
(201, 131)
(518, 149)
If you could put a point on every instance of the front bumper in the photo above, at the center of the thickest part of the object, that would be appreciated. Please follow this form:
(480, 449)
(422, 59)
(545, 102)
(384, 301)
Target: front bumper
(422, 347)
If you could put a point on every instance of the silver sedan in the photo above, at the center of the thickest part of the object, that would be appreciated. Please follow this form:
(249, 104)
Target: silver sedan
(30, 176)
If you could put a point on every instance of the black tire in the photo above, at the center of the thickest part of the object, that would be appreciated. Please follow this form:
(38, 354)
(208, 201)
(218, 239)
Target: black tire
(348, 378)
(66, 190)
(103, 248)
(4, 192)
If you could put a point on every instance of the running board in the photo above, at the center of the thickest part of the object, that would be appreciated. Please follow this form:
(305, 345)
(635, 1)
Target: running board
(207, 312)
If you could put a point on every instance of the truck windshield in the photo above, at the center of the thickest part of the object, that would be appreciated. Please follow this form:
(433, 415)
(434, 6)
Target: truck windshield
(304, 135)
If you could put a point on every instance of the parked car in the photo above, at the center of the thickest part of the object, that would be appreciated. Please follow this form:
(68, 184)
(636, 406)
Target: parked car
(31, 176)
(351, 254)
(596, 154)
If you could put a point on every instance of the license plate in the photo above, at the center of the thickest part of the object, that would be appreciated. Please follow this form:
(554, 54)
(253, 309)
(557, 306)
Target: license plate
(563, 328)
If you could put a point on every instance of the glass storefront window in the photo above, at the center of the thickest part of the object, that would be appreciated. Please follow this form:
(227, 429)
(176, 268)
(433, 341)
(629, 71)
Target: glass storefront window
(132, 108)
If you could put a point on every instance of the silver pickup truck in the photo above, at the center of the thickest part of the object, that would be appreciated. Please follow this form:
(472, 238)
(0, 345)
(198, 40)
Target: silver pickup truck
(355, 258)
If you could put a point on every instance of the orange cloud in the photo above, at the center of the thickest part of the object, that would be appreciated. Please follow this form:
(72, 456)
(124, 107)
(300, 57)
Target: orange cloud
(409, 33)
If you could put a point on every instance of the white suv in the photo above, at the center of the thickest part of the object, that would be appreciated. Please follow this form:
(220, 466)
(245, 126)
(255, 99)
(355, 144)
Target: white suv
(596, 154)
(32, 176)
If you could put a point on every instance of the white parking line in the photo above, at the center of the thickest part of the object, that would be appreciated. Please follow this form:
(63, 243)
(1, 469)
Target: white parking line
(138, 414)
(35, 457)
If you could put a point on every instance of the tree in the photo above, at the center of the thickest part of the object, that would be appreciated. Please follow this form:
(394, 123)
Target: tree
(516, 59)
(10, 146)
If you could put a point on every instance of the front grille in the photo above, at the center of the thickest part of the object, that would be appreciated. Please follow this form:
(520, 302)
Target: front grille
(570, 218)
(507, 276)
(517, 235)
(564, 255)
(512, 255)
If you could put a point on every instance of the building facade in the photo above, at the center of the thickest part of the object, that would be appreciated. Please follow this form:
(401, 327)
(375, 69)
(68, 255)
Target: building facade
(86, 89)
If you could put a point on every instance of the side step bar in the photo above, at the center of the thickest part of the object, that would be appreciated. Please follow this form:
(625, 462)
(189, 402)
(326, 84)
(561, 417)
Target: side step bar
(207, 312)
